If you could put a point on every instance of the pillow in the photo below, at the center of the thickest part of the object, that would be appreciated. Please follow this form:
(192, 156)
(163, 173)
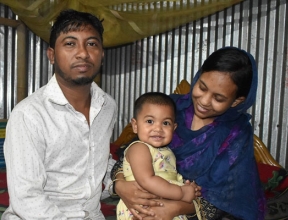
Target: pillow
(274, 179)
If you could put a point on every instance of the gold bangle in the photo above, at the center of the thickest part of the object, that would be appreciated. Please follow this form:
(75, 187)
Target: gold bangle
(111, 192)
(120, 170)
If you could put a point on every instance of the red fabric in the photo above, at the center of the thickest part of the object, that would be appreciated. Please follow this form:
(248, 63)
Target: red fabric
(113, 151)
(108, 210)
(3, 180)
(4, 196)
(274, 179)
(4, 199)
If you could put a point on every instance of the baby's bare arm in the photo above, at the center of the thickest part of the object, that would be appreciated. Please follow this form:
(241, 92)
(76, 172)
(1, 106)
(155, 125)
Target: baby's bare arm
(134, 197)
(139, 157)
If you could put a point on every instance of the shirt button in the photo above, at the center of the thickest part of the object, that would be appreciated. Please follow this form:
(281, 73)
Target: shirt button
(86, 215)
(89, 177)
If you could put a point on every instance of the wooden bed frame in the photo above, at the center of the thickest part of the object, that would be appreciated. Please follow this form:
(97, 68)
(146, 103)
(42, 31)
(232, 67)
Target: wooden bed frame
(262, 155)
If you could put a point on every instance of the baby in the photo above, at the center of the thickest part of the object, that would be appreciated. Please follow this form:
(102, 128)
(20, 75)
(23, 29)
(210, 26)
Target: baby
(149, 161)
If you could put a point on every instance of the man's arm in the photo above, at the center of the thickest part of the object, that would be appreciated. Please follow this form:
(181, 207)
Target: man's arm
(107, 179)
(24, 150)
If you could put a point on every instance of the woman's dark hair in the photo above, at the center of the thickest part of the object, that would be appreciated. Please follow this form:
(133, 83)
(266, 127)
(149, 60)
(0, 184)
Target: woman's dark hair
(71, 20)
(156, 98)
(236, 63)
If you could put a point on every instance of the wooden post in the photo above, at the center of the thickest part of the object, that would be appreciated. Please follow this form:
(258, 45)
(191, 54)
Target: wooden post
(9, 22)
(21, 63)
(21, 56)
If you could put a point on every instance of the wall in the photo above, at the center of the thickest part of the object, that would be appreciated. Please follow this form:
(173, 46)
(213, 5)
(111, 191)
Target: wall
(24, 66)
(160, 62)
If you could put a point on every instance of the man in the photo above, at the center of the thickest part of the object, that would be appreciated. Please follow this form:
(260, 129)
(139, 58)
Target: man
(57, 140)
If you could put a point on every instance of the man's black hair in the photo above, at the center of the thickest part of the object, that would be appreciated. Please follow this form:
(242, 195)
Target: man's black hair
(71, 20)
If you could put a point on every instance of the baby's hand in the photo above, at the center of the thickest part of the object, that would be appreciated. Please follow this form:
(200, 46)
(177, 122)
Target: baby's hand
(197, 188)
(189, 193)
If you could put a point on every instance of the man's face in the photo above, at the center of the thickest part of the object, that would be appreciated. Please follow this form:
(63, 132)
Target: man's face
(77, 56)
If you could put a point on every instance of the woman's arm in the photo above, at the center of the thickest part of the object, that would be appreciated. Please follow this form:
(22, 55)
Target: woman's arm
(169, 210)
(135, 198)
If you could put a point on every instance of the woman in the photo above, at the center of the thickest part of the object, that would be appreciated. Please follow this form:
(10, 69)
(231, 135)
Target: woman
(213, 144)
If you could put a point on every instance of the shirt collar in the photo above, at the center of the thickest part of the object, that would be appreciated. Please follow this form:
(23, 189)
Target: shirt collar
(54, 93)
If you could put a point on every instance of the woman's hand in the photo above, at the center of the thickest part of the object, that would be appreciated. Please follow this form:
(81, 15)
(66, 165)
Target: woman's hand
(169, 210)
(135, 198)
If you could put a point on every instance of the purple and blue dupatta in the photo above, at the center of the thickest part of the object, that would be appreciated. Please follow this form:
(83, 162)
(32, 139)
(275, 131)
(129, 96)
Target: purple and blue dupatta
(220, 156)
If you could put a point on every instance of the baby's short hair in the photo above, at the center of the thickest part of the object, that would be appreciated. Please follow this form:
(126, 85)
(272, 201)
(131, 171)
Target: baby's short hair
(157, 98)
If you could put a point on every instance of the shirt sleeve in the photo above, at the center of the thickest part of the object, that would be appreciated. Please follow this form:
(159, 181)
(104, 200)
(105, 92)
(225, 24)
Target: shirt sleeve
(107, 179)
(24, 150)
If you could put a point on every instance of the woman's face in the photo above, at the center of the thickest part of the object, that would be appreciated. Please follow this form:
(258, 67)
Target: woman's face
(213, 94)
